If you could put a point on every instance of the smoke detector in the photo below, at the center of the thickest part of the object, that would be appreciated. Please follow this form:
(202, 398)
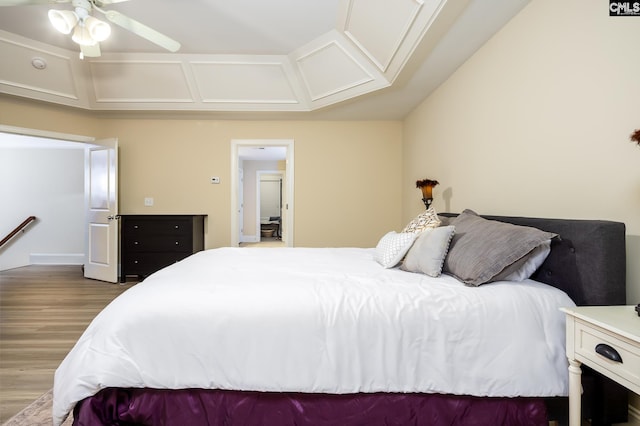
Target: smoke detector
(39, 63)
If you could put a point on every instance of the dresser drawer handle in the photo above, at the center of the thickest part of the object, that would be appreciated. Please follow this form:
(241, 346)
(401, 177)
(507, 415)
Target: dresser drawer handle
(608, 352)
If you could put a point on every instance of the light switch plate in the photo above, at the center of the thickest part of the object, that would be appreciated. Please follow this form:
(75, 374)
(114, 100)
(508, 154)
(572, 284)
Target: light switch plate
(148, 201)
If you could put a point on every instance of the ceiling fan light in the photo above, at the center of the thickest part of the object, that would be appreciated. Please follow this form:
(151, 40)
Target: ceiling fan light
(98, 30)
(82, 37)
(63, 20)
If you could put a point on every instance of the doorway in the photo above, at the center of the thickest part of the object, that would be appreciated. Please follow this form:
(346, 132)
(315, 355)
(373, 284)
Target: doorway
(269, 204)
(248, 156)
(60, 199)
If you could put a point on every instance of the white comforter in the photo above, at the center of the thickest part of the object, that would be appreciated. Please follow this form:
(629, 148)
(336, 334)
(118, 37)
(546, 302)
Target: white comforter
(319, 320)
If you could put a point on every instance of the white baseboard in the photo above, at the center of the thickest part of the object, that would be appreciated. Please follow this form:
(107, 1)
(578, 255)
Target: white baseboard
(56, 259)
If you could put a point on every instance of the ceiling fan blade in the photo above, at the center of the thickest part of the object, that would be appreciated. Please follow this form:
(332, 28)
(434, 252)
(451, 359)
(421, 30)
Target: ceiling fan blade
(90, 51)
(142, 30)
(101, 3)
(29, 2)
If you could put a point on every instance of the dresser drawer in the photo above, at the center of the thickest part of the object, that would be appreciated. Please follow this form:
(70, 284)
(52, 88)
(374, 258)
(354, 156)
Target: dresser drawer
(134, 228)
(158, 243)
(147, 263)
(589, 336)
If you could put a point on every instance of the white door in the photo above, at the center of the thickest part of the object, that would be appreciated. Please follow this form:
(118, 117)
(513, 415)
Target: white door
(241, 204)
(101, 198)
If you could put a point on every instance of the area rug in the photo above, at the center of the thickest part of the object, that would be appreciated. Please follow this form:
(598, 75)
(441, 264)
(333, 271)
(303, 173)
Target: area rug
(38, 413)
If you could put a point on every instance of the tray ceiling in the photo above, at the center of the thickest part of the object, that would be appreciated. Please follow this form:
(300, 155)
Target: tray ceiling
(281, 56)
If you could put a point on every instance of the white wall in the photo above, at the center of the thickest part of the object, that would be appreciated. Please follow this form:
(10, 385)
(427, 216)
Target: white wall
(48, 184)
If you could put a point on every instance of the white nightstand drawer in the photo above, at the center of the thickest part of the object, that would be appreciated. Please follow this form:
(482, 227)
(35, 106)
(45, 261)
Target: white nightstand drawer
(589, 336)
(590, 326)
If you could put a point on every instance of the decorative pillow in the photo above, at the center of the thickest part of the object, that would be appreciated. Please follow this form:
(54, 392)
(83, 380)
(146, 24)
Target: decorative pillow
(524, 267)
(427, 219)
(429, 251)
(392, 247)
(482, 248)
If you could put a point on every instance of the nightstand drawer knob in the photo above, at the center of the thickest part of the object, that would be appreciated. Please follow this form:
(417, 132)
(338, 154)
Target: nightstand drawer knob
(608, 352)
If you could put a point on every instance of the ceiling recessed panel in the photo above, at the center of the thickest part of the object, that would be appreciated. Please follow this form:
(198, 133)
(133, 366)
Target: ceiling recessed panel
(329, 70)
(55, 78)
(379, 27)
(243, 82)
(140, 81)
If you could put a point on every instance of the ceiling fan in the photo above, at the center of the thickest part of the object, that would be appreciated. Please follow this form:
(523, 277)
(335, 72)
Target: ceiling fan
(89, 31)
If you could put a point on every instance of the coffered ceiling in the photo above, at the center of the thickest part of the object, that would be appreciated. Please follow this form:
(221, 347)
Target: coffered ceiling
(346, 59)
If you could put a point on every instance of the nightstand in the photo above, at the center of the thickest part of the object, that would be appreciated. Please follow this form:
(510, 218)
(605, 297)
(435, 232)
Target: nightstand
(607, 339)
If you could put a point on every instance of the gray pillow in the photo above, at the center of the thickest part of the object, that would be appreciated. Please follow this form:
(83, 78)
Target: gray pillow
(524, 267)
(428, 252)
(482, 248)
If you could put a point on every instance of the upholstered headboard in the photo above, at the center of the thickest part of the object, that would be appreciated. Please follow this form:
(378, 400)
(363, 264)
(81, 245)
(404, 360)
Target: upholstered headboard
(587, 261)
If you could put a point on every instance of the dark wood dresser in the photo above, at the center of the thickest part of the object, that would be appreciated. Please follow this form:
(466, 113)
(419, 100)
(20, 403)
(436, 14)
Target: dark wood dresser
(151, 242)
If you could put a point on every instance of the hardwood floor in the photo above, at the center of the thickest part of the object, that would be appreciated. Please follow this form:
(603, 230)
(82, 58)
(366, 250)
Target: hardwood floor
(267, 243)
(43, 311)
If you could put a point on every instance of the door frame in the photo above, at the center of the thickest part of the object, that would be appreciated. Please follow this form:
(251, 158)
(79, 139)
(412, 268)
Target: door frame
(67, 137)
(288, 236)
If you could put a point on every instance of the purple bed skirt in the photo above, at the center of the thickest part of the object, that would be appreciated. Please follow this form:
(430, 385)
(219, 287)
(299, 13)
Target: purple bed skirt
(115, 406)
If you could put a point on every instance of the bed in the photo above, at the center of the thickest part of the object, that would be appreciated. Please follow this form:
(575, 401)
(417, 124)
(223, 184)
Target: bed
(326, 336)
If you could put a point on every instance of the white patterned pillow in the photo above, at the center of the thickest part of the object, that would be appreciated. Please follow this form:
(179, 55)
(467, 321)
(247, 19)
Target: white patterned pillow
(392, 247)
(427, 219)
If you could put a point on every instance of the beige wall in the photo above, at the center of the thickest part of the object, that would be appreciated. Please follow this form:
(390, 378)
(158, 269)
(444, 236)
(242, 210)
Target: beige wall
(537, 123)
(42, 116)
(347, 174)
